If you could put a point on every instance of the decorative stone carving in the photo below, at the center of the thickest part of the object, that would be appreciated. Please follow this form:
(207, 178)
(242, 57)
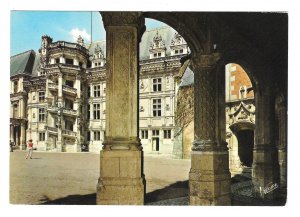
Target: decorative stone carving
(205, 104)
(124, 19)
(177, 40)
(157, 42)
(44, 57)
(98, 53)
(80, 40)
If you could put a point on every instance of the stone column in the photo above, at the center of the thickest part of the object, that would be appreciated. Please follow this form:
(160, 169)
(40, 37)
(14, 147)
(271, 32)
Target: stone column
(282, 139)
(11, 133)
(18, 136)
(77, 104)
(121, 178)
(265, 172)
(23, 136)
(209, 177)
(59, 114)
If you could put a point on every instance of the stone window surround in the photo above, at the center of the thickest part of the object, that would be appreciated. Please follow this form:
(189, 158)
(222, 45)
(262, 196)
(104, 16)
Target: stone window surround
(42, 114)
(41, 96)
(42, 136)
(96, 111)
(96, 90)
(144, 134)
(96, 135)
(157, 84)
(167, 134)
(156, 106)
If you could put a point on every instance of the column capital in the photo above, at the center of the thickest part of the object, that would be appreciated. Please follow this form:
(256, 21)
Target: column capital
(133, 19)
(208, 145)
(123, 19)
(205, 60)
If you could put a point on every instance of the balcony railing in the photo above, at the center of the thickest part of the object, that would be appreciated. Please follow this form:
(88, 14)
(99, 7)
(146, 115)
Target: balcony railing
(69, 133)
(53, 109)
(51, 129)
(70, 112)
(69, 90)
(59, 44)
(52, 86)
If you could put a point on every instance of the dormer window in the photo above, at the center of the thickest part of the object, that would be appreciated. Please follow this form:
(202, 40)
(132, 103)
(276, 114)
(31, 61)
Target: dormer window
(57, 60)
(178, 45)
(157, 48)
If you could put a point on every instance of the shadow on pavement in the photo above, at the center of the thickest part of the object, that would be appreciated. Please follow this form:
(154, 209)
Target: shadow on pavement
(176, 190)
(88, 199)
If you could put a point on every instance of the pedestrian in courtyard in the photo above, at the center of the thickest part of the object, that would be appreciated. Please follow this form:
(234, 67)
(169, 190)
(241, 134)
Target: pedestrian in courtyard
(11, 144)
(30, 149)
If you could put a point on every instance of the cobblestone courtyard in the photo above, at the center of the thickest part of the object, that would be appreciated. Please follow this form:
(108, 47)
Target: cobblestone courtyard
(65, 178)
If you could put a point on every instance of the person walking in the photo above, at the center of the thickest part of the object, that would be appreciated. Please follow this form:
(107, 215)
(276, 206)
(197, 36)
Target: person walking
(30, 149)
(11, 144)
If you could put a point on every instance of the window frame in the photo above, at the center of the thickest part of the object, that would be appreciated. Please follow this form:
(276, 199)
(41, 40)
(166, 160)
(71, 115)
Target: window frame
(97, 91)
(144, 134)
(97, 135)
(42, 97)
(167, 134)
(96, 111)
(156, 108)
(157, 84)
(42, 115)
(155, 133)
(42, 136)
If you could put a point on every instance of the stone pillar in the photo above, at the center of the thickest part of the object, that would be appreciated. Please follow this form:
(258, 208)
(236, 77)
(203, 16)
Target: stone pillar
(23, 136)
(209, 177)
(282, 139)
(121, 178)
(265, 172)
(59, 115)
(11, 133)
(17, 128)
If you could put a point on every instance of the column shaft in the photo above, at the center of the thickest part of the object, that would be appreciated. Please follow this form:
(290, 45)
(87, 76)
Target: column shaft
(265, 172)
(209, 178)
(23, 135)
(121, 178)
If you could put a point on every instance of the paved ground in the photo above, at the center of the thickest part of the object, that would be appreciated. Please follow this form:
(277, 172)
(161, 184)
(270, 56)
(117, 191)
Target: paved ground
(65, 178)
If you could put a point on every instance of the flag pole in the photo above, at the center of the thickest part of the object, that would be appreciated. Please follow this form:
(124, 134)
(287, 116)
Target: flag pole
(91, 27)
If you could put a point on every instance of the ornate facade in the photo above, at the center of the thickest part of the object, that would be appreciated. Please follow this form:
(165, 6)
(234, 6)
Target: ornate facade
(65, 94)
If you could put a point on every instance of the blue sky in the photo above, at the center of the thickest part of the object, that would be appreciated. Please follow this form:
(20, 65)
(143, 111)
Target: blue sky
(27, 27)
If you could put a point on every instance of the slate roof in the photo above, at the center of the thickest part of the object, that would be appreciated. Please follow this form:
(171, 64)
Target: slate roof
(91, 47)
(36, 64)
(187, 78)
(29, 61)
(166, 32)
(22, 63)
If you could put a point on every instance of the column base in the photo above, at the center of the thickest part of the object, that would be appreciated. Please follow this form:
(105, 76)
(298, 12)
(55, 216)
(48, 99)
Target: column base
(265, 173)
(59, 146)
(209, 179)
(120, 191)
(121, 180)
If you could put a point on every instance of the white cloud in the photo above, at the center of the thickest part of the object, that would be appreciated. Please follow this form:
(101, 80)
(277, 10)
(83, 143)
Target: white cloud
(76, 32)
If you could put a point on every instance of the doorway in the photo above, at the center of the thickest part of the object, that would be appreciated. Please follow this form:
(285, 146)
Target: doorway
(245, 146)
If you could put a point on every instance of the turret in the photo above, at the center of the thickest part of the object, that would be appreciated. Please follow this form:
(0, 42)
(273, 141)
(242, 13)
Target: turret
(46, 41)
